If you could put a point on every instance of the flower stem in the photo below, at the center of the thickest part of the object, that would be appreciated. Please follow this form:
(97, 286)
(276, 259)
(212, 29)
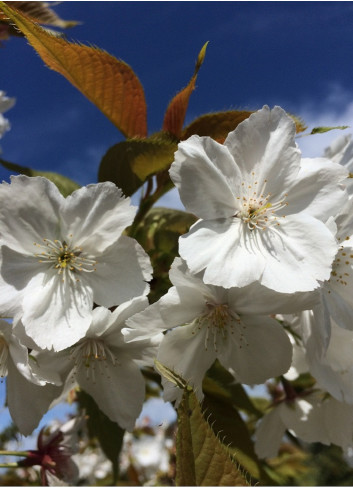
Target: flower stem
(9, 465)
(13, 453)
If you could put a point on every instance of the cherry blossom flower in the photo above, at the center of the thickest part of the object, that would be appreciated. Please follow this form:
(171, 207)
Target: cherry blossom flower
(335, 306)
(262, 208)
(312, 417)
(208, 322)
(27, 398)
(105, 366)
(59, 255)
(332, 369)
(341, 151)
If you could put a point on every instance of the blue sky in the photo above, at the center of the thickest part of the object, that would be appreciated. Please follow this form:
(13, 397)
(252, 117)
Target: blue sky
(294, 54)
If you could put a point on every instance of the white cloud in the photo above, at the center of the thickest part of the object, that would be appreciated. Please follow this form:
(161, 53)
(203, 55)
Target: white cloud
(335, 110)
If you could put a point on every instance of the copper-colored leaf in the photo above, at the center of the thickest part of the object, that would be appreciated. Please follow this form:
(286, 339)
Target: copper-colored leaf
(42, 13)
(106, 81)
(216, 125)
(175, 113)
(299, 123)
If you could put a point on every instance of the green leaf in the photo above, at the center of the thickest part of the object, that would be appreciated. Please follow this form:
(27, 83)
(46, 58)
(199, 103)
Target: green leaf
(64, 184)
(129, 163)
(220, 384)
(108, 433)
(226, 421)
(160, 220)
(152, 155)
(320, 130)
(201, 459)
(116, 167)
(158, 233)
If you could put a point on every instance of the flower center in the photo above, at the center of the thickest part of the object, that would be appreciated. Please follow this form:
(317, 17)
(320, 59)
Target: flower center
(4, 353)
(220, 321)
(91, 354)
(67, 259)
(255, 208)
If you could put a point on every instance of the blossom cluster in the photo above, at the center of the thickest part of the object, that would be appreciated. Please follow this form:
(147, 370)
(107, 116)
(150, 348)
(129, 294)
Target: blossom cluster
(265, 271)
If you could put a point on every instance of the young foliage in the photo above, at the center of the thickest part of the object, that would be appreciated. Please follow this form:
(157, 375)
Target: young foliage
(320, 130)
(175, 113)
(217, 125)
(106, 81)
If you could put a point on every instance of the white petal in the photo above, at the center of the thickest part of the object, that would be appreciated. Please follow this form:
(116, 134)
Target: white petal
(17, 270)
(264, 144)
(203, 167)
(119, 390)
(334, 371)
(298, 253)
(29, 211)
(96, 215)
(338, 417)
(257, 349)
(269, 434)
(28, 402)
(257, 299)
(122, 273)
(56, 314)
(305, 419)
(180, 306)
(145, 324)
(341, 307)
(316, 329)
(225, 249)
(183, 351)
(317, 190)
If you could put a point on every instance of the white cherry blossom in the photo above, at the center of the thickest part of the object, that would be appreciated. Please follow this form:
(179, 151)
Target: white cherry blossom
(208, 322)
(59, 256)
(332, 369)
(105, 366)
(27, 398)
(341, 151)
(262, 208)
(312, 418)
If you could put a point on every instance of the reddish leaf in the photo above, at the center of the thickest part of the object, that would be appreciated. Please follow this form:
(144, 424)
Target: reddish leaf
(216, 125)
(175, 113)
(106, 81)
